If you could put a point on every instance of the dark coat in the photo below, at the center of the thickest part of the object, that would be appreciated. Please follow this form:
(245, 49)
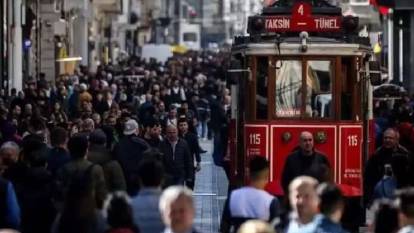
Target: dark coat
(129, 153)
(192, 141)
(114, 177)
(297, 164)
(78, 167)
(179, 165)
(57, 158)
(35, 198)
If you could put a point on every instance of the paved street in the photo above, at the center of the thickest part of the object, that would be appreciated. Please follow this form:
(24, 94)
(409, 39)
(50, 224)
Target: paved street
(210, 192)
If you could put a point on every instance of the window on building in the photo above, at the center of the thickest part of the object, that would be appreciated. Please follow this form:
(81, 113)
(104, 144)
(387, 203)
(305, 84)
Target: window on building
(190, 36)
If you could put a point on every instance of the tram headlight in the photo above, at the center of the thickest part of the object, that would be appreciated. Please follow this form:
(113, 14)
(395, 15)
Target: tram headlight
(256, 25)
(304, 46)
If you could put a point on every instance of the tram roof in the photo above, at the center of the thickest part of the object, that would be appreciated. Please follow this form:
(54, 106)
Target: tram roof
(292, 47)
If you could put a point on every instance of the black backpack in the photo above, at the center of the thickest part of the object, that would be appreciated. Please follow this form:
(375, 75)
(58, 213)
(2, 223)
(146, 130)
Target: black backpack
(78, 183)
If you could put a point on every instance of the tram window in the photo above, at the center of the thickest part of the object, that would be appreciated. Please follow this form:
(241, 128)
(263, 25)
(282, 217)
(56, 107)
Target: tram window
(288, 88)
(346, 91)
(261, 88)
(319, 89)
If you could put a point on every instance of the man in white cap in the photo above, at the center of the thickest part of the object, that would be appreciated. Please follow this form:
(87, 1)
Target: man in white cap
(129, 152)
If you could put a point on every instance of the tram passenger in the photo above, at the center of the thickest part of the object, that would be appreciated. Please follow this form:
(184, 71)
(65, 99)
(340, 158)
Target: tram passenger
(252, 201)
(375, 167)
(305, 161)
(304, 201)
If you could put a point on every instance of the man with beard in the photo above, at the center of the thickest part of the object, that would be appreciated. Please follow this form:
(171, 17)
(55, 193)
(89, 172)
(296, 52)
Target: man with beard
(152, 133)
(375, 167)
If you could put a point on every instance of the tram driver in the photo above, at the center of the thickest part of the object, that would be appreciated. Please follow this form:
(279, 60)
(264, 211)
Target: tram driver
(305, 161)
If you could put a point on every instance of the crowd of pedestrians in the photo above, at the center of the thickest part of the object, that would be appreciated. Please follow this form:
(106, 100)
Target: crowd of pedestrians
(117, 151)
(111, 151)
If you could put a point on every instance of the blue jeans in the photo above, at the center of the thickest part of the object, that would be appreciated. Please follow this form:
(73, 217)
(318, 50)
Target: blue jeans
(202, 129)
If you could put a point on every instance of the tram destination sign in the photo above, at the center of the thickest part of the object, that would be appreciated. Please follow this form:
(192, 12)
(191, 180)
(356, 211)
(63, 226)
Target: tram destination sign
(300, 19)
(313, 24)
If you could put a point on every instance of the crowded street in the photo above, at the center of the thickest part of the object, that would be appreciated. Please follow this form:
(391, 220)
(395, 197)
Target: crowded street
(193, 116)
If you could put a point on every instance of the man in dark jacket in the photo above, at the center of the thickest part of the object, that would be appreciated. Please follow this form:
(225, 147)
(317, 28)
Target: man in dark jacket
(177, 158)
(129, 152)
(375, 167)
(192, 142)
(99, 154)
(36, 192)
(305, 161)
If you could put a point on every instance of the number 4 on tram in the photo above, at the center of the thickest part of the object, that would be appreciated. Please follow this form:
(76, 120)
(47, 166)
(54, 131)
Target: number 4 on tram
(301, 68)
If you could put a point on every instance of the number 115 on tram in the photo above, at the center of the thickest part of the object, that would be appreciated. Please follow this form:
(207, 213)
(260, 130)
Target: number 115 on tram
(302, 68)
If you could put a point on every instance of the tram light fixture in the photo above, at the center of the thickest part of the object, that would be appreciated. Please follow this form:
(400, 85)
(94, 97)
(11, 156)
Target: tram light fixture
(375, 73)
(304, 37)
(320, 137)
(256, 25)
(286, 137)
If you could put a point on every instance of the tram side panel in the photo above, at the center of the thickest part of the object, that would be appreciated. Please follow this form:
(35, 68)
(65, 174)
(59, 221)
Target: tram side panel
(342, 144)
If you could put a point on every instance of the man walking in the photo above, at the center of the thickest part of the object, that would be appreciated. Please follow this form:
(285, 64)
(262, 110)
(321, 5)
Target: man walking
(177, 158)
(192, 142)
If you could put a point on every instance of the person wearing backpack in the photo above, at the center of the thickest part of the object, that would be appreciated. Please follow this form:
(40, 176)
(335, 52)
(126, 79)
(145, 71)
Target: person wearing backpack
(396, 176)
(375, 167)
(99, 154)
(78, 147)
(80, 212)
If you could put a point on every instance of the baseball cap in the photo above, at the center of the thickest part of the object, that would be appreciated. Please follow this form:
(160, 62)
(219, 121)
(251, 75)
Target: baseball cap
(130, 127)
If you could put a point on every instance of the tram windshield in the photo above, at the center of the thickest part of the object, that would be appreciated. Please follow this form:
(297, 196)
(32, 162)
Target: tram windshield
(319, 89)
(290, 94)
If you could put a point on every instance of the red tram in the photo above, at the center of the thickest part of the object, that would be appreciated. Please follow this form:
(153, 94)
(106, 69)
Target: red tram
(302, 66)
